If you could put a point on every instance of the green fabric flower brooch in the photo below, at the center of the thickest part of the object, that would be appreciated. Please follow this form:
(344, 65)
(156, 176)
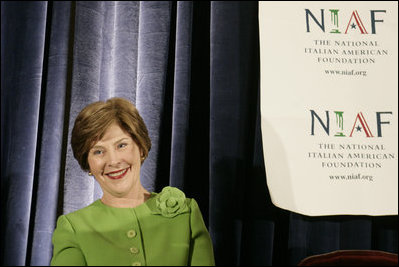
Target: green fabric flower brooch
(171, 202)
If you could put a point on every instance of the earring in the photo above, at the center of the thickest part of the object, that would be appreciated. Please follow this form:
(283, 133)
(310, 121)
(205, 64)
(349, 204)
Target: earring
(90, 174)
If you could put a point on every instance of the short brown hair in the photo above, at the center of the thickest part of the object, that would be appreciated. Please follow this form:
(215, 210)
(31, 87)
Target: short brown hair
(92, 122)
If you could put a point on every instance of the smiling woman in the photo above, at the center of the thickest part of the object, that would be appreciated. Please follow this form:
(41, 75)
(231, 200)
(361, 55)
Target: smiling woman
(128, 225)
(115, 163)
(95, 119)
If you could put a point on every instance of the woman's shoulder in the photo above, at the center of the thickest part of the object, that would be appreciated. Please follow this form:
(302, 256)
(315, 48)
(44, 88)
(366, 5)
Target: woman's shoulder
(89, 209)
(169, 202)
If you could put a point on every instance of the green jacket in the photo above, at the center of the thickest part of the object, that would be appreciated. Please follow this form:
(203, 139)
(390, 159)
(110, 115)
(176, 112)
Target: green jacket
(168, 229)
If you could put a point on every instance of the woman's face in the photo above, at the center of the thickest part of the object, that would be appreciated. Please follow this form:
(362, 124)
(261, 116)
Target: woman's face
(115, 163)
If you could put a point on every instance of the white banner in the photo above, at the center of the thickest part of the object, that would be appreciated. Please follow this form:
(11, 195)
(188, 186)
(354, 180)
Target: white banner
(329, 106)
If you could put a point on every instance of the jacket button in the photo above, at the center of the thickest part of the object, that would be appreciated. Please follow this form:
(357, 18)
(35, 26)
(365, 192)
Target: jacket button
(131, 233)
(134, 250)
(136, 263)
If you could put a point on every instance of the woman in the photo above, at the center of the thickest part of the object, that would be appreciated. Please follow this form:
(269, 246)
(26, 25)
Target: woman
(128, 225)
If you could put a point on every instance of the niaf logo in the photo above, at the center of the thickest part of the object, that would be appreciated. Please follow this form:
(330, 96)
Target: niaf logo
(354, 21)
(360, 124)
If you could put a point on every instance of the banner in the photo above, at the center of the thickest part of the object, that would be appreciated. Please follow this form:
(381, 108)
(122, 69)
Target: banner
(329, 106)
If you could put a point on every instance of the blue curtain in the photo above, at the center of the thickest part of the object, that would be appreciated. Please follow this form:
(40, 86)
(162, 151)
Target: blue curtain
(192, 69)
